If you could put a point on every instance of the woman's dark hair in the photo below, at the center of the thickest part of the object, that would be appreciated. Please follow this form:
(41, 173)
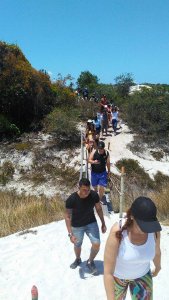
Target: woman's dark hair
(84, 181)
(127, 224)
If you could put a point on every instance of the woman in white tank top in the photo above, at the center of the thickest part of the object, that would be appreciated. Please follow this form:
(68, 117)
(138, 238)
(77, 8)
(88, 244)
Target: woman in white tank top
(129, 250)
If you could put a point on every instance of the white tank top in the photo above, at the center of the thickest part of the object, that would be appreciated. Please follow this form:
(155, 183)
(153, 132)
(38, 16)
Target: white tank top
(133, 261)
(115, 115)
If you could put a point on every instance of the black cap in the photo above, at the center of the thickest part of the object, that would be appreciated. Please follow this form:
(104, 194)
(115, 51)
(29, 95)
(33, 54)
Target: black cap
(101, 145)
(144, 212)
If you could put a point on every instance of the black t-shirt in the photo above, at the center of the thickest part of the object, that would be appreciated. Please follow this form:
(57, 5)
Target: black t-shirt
(82, 208)
(102, 158)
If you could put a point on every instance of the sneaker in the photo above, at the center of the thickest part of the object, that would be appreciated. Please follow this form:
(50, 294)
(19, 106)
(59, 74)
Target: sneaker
(91, 266)
(76, 263)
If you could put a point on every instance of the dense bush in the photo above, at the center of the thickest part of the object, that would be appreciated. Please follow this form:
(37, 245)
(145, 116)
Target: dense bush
(147, 113)
(25, 94)
(7, 128)
(64, 96)
(86, 111)
(63, 126)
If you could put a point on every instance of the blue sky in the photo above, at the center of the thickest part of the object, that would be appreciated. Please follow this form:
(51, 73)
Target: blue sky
(106, 37)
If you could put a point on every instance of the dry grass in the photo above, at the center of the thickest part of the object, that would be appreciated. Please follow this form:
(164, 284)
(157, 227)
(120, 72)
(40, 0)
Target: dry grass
(160, 197)
(42, 173)
(18, 213)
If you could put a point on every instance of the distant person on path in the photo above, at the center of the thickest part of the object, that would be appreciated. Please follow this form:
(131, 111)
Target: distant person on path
(97, 124)
(80, 219)
(104, 121)
(102, 103)
(85, 93)
(109, 112)
(115, 114)
(99, 160)
(129, 249)
(90, 135)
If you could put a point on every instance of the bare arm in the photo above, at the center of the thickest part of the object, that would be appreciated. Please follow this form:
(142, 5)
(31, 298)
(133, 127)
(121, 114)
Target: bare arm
(68, 220)
(68, 224)
(110, 255)
(157, 258)
(91, 156)
(100, 214)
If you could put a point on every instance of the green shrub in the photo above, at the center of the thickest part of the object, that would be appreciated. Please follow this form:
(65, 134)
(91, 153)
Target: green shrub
(7, 128)
(160, 180)
(152, 117)
(158, 155)
(135, 174)
(64, 127)
(87, 110)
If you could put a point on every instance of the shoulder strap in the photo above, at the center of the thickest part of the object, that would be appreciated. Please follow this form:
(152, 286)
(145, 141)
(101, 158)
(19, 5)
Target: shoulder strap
(120, 224)
(107, 154)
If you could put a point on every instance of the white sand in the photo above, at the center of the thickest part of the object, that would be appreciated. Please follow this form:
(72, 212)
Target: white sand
(43, 259)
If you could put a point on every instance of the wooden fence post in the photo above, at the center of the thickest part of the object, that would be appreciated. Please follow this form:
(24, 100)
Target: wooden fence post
(122, 191)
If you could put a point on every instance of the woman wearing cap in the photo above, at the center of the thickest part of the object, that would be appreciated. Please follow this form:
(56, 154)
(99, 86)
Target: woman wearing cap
(129, 249)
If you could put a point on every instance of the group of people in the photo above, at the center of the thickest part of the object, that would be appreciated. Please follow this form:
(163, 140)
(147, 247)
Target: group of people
(131, 245)
(95, 128)
(133, 242)
(109, 114)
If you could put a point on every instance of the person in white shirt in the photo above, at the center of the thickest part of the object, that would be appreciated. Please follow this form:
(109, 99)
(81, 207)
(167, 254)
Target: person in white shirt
(115, 118)
(129, 250)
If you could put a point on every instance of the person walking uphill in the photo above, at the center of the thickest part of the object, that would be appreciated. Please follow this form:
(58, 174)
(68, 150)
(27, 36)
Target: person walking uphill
(99, 160)
(129, 250)
(80, 219)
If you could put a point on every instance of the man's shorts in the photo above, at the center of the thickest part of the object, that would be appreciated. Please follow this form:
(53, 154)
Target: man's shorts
(92, 231)
(99, 179)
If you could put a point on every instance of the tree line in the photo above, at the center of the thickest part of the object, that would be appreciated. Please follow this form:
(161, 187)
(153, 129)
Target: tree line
(28, 97)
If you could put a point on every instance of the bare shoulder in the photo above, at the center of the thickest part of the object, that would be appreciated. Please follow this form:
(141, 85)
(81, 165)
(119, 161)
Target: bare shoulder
(92, 154)
(114, 230)
(113, 240)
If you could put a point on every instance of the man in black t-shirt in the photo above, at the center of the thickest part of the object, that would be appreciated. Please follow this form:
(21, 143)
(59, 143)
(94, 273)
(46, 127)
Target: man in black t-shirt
(80, 219)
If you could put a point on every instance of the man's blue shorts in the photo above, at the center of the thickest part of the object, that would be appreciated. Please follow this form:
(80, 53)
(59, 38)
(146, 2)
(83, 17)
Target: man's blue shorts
(92, 231)
(99, 179)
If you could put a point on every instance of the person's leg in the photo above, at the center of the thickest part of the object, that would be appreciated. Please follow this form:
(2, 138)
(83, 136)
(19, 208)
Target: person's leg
(106, 127)
(77, 251)
(142, 288)
(78, 232)
(92, 231)
(101, 192)
(115, 126)
(102, 182)
(120, 288)
(94, 181)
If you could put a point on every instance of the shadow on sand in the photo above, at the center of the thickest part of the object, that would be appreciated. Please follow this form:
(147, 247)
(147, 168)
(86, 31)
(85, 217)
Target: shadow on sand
(84, 272)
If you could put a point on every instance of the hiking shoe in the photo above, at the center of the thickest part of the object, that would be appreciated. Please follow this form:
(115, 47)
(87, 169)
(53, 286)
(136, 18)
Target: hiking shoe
(76, 263)
(91, 266)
